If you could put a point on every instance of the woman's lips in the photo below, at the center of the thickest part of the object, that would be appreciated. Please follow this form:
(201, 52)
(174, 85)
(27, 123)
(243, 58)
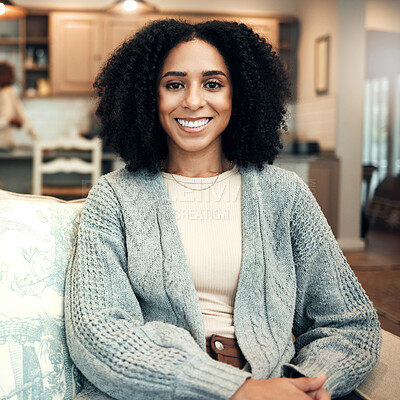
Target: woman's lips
(193, 125)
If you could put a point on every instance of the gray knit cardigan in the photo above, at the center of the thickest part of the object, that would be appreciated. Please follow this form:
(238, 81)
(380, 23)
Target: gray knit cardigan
(133, 319)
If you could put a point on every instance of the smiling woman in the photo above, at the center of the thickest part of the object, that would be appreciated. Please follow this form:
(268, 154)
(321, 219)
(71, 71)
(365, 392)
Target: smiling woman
(196, 264)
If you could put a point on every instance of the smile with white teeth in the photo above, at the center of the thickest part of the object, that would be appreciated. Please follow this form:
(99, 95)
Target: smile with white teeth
(193, 124)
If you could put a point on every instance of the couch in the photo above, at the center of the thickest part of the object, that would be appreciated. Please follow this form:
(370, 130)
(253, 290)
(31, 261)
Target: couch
(36, 238)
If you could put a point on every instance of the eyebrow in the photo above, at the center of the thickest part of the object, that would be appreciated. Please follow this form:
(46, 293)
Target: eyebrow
(205, 73)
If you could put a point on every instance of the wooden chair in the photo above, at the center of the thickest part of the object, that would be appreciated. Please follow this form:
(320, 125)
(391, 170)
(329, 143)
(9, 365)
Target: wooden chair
(66, 155)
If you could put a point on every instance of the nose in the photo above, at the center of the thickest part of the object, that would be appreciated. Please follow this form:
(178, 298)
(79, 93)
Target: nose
(194, 98)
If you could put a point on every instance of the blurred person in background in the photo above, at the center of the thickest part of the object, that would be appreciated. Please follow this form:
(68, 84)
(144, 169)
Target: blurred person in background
(12, 111)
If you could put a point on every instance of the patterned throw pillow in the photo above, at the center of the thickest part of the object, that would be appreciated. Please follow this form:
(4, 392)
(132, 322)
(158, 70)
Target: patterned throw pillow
(36, 239)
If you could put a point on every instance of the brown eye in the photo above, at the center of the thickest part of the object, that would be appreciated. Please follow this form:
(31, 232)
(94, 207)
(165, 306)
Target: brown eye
(174, 85)
(213, 85)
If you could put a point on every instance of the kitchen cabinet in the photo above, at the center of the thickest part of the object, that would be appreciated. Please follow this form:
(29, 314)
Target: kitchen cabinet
(80, 44)
(25, 44)
(36, 55)
(76, 50)
(117, 29)
(11, 45)
(67, 49)
(264, 26)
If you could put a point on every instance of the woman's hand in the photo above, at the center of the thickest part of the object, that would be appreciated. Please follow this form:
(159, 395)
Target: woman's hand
(283, 389)
(320, 394)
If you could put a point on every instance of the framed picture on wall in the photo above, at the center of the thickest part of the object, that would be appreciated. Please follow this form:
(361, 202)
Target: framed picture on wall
(321, 74)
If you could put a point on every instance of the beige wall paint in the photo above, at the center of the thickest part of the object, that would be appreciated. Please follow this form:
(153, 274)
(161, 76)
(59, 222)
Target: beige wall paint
(383, 15)
(336, 119)
(350, 117)
(316, 115)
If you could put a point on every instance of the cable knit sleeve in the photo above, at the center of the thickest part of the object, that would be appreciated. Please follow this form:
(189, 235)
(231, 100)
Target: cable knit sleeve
(335, 325)
(109, 340)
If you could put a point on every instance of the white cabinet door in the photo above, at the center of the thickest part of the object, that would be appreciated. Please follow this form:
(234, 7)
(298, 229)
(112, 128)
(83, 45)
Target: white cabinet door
(116, 30)
(76, 50)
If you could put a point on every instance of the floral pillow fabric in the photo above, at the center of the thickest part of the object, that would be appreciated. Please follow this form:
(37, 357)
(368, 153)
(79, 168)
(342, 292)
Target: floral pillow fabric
(36, 239)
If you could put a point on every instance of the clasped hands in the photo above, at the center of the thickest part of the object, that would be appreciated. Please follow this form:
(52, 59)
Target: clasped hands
(283, 389)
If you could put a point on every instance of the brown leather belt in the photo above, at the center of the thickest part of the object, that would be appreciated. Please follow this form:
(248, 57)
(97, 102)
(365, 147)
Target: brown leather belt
(225, 350)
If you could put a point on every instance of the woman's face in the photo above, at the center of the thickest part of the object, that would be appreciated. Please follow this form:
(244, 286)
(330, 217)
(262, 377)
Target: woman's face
(194, 97)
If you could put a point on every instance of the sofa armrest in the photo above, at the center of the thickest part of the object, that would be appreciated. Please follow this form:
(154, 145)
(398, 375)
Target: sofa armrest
(383, 383)
(36, 240)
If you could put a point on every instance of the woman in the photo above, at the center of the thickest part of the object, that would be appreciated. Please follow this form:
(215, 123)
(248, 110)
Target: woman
(12, 112)
(200, 254)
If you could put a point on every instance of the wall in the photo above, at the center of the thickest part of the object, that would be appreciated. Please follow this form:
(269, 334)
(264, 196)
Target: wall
(383, 15)
(383, 53)
(350, 117)
(335, 119)
(316, 115)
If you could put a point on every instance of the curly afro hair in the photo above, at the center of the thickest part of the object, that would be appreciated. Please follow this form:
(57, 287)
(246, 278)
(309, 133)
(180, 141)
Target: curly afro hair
(127, 86)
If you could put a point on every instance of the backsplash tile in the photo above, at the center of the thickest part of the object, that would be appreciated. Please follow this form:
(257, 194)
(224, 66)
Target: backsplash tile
(56, 116)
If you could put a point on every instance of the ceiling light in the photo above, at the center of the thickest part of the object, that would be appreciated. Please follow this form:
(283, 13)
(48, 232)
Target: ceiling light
(131, 6)
(9, 11)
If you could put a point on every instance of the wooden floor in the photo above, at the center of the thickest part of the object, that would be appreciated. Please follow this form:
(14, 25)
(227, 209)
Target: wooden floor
(378, 270)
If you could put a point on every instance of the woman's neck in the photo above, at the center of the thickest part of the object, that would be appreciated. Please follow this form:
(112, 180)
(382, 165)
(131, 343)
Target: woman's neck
(196, 167)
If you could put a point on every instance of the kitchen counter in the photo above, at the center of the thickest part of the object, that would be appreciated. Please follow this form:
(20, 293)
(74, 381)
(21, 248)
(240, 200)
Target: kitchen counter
(321, 173)
(27, 154)
(16, 169)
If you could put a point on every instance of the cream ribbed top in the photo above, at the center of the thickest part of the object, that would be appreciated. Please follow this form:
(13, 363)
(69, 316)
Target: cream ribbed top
(210, 227)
